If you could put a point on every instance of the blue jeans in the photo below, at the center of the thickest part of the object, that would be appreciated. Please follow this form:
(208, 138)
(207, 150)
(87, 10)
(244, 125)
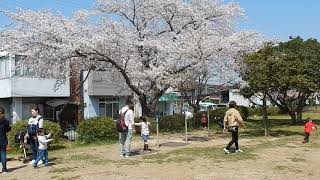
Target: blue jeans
(43, 154)
(34, 147)
(125, 139)
(3, 154)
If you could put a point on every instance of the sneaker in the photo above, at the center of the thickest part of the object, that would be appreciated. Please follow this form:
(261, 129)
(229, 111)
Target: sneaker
(34, 165)
(226, 151)
(121, 155)
(239, 151)
(4, 171)
(40, 162)
(127, 156)
(32, 162)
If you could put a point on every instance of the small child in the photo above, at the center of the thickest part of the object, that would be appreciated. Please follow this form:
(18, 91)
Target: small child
(308, 127)
(204, 120)
(43, 147)
(144, 132)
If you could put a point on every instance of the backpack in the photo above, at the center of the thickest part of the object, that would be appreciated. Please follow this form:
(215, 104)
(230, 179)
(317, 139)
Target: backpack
(32, 128)
(121, 125)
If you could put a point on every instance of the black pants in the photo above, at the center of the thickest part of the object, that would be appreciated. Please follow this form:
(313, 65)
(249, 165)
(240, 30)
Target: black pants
(34, 147)
(306, 137)
(234, 139)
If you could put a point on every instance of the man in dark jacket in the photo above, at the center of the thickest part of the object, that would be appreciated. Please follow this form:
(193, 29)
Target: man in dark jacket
(4, 128)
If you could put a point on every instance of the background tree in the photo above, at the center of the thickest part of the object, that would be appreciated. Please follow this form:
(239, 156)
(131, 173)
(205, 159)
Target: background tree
(148, 43)
(192, 88)
(287, 74)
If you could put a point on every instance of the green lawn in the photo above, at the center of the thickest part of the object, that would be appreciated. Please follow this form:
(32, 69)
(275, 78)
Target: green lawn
(280, 125)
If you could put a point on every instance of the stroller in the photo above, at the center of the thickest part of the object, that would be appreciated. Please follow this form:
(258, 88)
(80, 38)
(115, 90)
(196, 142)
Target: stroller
(24, 144)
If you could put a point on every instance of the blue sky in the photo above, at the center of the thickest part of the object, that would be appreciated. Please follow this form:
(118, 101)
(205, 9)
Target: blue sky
(274, 18)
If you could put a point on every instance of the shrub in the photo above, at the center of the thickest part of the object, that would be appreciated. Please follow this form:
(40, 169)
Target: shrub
(173, 123)
(100, 129)
(255, 111)
(244, 111)
(21, 125)
(271, 111)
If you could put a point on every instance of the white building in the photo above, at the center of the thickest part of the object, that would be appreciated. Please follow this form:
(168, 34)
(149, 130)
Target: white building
(21, 89)
(104, 94)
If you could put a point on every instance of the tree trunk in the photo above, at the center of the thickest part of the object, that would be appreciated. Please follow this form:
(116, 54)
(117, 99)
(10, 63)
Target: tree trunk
(293, 116)
(265, 116)
(299, 116)
(195, 108)
(146, 110)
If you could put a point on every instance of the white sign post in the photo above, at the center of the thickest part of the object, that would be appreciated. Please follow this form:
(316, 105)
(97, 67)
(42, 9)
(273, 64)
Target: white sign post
(157, 120)
(208, 112)
(188, 115)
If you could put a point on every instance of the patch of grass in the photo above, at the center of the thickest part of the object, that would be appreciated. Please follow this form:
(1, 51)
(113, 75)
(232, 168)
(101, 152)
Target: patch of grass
(287, 168)
(295, 159)
(281, 167)
(156, 158)
(215, 153)
(102, 161)
(190, 154)
(69, 178)
(180, 159)
(91, 159)
(83, 157)
(54, 177)
(62, 170)
(97, 143)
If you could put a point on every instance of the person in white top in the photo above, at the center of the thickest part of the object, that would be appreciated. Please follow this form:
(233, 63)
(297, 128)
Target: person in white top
(144, 132)
(35, 122)
(125, 138)
(43, 147)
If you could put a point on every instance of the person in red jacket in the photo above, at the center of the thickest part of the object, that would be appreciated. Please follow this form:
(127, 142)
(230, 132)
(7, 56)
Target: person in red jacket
(308, 127)
(204, 120)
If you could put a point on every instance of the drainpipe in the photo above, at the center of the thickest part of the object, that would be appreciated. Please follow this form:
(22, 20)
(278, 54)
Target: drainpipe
(81, 97)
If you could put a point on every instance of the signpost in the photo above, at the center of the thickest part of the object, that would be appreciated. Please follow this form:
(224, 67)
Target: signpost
(157, 121)
(208, 112)
(188, 115)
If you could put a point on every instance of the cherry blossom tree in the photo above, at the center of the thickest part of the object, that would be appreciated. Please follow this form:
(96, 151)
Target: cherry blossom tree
(149, 43)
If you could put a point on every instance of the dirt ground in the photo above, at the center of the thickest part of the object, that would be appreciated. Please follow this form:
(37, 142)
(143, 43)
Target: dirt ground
(263, 158)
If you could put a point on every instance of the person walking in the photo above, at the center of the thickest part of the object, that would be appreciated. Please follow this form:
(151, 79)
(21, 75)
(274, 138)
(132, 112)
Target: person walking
(43, 147)
(4, 129)
(232, 121)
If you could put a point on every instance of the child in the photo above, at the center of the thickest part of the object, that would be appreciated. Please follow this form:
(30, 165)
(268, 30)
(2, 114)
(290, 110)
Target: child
(144, 132)
(307, 129)
(204, 120)
(43, 147)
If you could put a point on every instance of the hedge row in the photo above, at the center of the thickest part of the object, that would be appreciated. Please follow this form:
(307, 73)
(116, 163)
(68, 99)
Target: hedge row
(271, 111)
(102, 129)
(99, 129)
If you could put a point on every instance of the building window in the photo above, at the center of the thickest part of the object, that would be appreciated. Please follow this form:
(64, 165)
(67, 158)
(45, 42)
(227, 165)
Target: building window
(4, 67)
(109, 107)
(22, 70)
